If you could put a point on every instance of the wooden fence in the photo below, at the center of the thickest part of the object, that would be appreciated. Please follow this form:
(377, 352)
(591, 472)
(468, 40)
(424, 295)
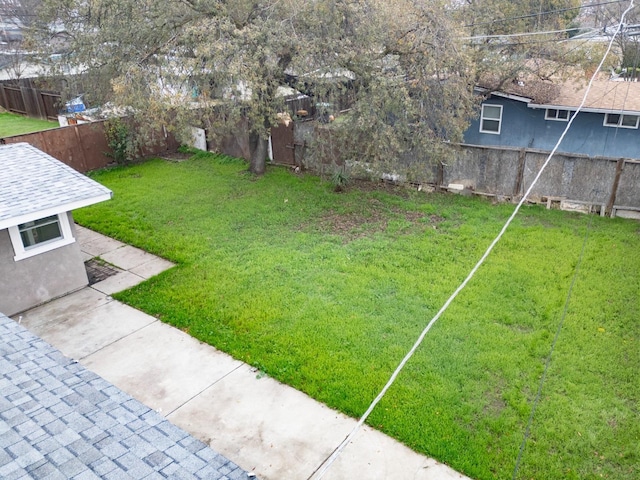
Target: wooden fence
(22, 96)
(610, 186)
(84, 147)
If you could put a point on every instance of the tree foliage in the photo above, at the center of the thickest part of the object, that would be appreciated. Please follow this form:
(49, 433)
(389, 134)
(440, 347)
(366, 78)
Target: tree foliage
(17, 18)
(407, 66)
(185, 62)
(606, 17)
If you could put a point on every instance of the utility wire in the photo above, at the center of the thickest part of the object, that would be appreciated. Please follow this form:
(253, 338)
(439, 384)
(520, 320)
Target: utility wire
(522, 34)
(326, 464)
(547, 12)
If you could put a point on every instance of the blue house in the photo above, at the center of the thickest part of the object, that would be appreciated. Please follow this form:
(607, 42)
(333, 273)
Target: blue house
(607, 125)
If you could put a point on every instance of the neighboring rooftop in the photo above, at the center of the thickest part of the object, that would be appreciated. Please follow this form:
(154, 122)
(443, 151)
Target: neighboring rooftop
(61, 421)
(604, 95)
(33, 185)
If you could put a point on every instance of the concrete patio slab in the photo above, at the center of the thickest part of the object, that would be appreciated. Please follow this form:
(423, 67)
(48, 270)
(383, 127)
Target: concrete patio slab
(274, 429)
(79, 303)
(93, 331)
(127, 257)
(152, 267)
(163, 366)
(85, 235)
(375, 455)
(99, 246)
(117, 283)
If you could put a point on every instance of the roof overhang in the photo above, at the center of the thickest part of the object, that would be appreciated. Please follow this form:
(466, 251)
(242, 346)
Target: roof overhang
(510, 96)
(497, 93)
(532, 105)
(583, 109)
(31, 216)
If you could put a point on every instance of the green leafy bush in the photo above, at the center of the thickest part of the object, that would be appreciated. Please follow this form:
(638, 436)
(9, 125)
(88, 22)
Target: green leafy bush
(120, 140)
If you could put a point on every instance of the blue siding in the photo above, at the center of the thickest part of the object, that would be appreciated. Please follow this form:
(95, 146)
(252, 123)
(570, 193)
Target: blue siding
(526, 127)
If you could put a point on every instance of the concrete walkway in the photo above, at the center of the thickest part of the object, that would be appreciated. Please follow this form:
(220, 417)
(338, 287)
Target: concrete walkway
(260, 424)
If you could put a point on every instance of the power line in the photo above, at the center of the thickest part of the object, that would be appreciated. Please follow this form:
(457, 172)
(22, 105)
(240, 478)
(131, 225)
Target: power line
(326, 464)
(522, 34)
(548, 12)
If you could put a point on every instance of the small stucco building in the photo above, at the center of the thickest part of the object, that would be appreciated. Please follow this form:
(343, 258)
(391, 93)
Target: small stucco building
(39, 257)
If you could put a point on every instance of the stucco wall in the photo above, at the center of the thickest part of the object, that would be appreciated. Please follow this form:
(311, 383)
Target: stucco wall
(34, 280)
(526, 127)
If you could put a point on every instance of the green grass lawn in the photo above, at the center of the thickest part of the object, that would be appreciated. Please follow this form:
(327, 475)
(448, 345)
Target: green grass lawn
(326, 292)
(14, 124)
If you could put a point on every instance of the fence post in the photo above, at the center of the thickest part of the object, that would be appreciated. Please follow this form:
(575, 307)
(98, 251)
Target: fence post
(440, 179)
(3, 97)
(42, 110)
(83, 154)
(27, 99)
(522, 155)
(614, 187)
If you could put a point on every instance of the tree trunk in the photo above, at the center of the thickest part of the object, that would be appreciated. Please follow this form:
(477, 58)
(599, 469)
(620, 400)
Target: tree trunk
(258, 163)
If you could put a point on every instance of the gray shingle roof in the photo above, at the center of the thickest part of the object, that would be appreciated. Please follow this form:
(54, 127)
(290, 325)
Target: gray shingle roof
(34, 185)
(607, 96)
(61, 421)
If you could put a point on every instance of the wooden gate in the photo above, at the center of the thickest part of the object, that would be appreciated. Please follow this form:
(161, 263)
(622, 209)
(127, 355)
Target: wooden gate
(282, 144)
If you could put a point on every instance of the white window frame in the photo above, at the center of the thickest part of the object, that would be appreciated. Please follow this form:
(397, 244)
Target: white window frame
(499, 120)
(547, 116)
(606, 123)
(66, 238)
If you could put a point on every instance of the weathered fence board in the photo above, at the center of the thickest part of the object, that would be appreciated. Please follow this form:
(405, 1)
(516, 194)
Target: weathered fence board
(84, 147)
(610, 184)
(22, 96)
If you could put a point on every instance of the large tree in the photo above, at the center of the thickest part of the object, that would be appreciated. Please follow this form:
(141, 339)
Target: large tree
(605, 17)
(182, 61)
(407, 66)
(526, 38)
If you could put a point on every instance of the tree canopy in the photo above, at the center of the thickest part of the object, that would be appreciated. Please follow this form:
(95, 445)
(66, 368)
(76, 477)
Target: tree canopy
(408, 66)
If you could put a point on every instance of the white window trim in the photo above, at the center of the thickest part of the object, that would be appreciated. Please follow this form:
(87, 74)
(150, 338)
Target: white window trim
(499, 120)
(556, 119)
(619, 124)
(21, 253)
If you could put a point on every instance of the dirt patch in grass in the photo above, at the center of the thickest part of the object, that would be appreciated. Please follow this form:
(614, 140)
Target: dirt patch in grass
(177, 156)
(495, 404)
(372, 219)
(379, 186)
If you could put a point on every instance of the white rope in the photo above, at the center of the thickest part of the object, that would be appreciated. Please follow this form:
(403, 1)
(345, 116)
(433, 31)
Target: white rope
(322, 469)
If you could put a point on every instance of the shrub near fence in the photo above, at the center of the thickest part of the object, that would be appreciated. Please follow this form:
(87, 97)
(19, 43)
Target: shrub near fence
(84, 147)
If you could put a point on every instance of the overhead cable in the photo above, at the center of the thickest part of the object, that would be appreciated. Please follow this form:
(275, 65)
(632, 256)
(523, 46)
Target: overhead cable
(547, 12)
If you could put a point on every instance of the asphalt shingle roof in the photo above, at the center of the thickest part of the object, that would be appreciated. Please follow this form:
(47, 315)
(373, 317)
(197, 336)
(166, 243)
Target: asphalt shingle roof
(32, 182)
(603, 95)
(61, 421)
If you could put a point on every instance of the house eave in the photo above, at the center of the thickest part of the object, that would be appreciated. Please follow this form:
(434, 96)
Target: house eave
(54, 210)
(496, 93)
(583, 109)
(510, 96)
